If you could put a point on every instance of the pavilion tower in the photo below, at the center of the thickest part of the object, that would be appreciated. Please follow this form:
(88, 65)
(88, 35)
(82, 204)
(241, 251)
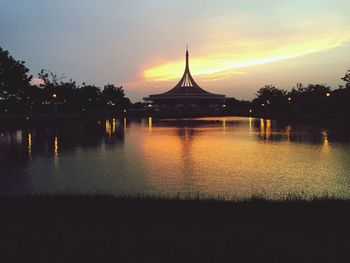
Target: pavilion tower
(186, 95)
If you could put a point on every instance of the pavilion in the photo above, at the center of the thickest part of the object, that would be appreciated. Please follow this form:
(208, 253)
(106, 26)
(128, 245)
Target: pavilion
(186, 97)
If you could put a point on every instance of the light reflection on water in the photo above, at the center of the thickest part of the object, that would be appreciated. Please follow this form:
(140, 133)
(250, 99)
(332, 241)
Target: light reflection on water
(229, 156)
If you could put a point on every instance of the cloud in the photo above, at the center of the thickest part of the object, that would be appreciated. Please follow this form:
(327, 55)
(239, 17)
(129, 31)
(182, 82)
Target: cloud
(231, 46)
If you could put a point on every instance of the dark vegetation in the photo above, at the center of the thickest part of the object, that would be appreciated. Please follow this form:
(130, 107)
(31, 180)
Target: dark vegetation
(53, 95)
(137, 229)
(317, 101)
(56, 97)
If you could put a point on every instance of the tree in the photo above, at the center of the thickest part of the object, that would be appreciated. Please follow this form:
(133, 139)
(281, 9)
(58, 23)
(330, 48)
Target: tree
(14, 80)
(346, 79)
(50, 78)
(89, 97)
(113, 97)
(63, 94)
(270, 97)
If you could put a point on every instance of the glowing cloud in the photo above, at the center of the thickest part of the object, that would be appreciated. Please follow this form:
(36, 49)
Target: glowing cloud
(249, 52)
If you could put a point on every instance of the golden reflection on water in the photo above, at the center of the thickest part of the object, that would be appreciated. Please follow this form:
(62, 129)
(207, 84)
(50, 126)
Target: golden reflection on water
(325, 142)
(217, 156)
(250, 125)
(265, 129)
(30, 145)
(56, 149)
(189, 159)
(111, 127)
(200, 159)
(149, 124)
(124, 122)
(108, 129)
(268, 130)
(224, 124)
(262, 127)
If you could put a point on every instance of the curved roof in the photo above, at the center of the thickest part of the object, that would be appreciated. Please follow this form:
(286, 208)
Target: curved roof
(186, 88)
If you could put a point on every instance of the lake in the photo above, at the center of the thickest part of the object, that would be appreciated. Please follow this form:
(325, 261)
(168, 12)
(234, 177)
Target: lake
(219, 156)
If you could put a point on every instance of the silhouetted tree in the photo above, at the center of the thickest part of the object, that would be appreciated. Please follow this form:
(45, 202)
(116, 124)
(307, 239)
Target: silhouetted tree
(89, 98)
(50, 78)
(113, 97)
(58, 94)
(68, 96)
(313, 98)
(34, 97)
(14, 81)
(346, 79)
(269, 97)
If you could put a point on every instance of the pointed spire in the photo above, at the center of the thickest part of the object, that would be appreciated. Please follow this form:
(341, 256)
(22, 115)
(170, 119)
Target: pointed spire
(187, 58)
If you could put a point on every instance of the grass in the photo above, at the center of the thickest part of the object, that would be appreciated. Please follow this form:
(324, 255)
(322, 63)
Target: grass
(173, 229)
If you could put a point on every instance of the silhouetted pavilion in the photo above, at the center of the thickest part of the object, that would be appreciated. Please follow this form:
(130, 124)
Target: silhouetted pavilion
(186, 96)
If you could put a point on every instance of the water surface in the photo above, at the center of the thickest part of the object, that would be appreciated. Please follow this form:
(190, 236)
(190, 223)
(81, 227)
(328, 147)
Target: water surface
(227, 156)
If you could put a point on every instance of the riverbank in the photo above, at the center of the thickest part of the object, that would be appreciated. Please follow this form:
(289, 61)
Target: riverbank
(136, 229)
(23, 121)
(336, 121)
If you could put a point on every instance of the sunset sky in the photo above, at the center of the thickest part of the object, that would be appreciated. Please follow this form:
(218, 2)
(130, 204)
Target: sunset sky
(235, 47)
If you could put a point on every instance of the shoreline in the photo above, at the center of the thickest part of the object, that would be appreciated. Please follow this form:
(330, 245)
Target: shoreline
(28, 121)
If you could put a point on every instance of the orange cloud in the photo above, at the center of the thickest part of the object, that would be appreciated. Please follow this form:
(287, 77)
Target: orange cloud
(252, 52)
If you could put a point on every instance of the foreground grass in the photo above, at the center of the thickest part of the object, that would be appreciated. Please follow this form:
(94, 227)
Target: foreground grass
(161, 229)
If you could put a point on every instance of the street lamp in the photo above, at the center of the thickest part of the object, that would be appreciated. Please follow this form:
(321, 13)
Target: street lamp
(54, 96)
(328, 94)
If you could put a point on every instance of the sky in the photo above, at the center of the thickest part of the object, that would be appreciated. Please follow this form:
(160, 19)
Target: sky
(236, 46)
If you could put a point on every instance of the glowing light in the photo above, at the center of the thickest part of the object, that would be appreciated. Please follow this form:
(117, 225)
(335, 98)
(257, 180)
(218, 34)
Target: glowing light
(54, 95)
(328, 94)
(55, 149)
(30, 145)
(250, 125)
(56, 145)
(325, 142)
(114, 125)
(268, 130)
(110, 127)
(262, 127)
(150, 124)
(228, 61)
(224, 124)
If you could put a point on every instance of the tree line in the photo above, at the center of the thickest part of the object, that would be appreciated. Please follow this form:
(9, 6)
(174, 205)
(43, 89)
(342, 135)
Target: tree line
(310, 99)
(54, 94)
